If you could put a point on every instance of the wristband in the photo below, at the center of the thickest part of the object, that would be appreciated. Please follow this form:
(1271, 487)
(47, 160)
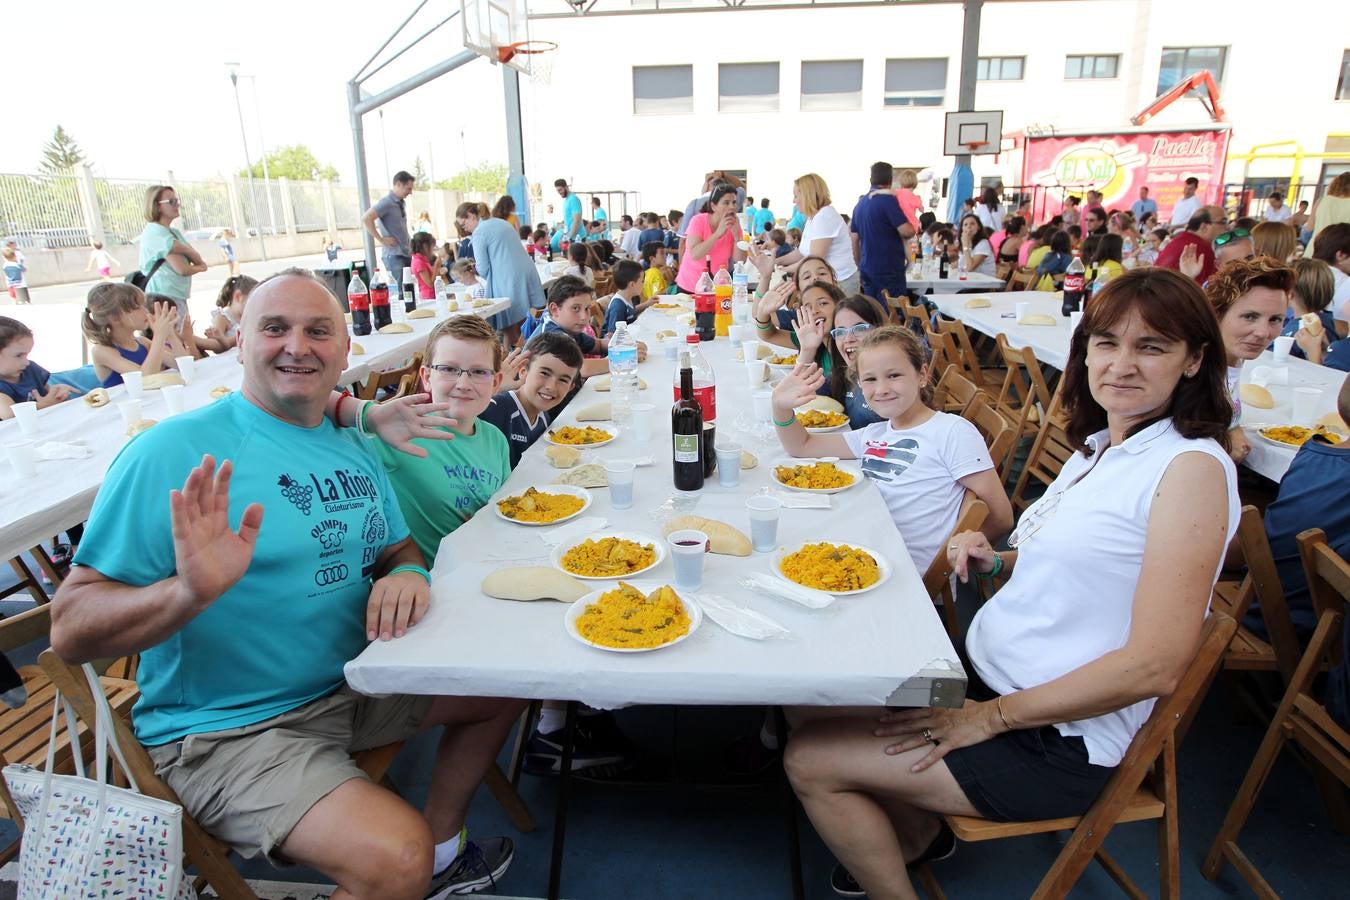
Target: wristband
(764, 326)
(785, 424)
(410, 568)
(361, 426)
(998, 567)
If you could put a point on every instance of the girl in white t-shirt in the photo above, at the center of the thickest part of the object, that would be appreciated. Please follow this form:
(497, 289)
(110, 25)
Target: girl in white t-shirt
(921, 460)
(976, 250)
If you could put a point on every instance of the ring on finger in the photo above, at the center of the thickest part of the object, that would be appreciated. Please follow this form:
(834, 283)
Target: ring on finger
(927, 736)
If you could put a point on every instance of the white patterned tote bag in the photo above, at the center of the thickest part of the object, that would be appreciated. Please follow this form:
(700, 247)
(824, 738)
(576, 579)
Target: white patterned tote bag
(85, 838)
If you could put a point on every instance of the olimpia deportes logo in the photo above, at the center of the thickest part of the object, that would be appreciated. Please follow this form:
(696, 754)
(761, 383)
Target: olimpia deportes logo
(299, 494)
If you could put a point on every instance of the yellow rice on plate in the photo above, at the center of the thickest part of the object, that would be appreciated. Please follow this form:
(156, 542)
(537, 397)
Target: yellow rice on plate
(1297, 435)
(816, 476)
(831, 567)
(571, 434)
(787, 360)
(815, 418)
(608, 557)
(625, 618)
(539, 506)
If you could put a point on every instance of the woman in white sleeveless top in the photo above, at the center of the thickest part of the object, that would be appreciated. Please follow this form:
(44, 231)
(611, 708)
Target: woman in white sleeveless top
(1111, 574)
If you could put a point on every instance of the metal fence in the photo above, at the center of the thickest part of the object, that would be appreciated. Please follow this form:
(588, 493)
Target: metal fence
(42, 211)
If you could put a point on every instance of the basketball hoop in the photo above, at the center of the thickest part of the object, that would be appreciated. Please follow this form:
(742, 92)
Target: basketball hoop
(508, 52)
(973, 147)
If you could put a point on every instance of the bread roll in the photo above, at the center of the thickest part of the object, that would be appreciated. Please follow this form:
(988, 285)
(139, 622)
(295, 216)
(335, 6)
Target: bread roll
(533, 583)
(97, 397)
(1037, 319)
(220, 391)
(823, 404)
(562, 457)
(978, 303)
(722, 538)
(1311, 323)
(136, 428)
(748, 460)
(596, 412)
(1256, 396)
(160, 379)
(396, 328)
(421, 314)
(357, 349)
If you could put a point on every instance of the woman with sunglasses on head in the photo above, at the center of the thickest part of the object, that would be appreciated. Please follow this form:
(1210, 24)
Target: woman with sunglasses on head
(1109, 581)
(159, 240)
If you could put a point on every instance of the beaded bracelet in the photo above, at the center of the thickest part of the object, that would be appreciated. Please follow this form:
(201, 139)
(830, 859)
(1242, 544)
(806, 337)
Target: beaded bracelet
(410, 568)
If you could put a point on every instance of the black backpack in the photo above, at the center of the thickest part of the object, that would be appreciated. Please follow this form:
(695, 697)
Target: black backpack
(138, 279)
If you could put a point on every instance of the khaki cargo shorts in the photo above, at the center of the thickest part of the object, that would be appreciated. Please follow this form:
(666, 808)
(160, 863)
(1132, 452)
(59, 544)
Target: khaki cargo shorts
(249, 786)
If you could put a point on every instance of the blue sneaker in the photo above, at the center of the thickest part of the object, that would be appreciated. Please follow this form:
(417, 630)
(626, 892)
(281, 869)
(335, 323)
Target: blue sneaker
(478, 866)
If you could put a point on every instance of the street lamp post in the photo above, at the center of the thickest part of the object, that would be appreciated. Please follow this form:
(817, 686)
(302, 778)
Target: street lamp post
(243, 136)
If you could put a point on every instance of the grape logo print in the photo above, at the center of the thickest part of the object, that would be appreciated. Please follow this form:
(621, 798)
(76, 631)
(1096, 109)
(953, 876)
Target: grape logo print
(301, 495)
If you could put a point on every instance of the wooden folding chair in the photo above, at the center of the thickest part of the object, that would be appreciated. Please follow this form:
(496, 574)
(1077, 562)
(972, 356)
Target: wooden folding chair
(1023, 279)
(944, 352)
(1151, 756)
(1300, 718)
(954, 391)
(997, 431)
(378, 381)
(24, 732)
(913, 316)
(1049, 451)
(28, 581)
(987, 380)
(208, 855)
(408, 384)
(1024, 394)
(937, 580)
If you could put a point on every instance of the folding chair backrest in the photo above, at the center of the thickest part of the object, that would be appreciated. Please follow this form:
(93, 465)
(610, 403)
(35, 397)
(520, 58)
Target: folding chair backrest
(895, 306)
(1262, 584)
(954, 391)
(1024, 384)
(997, 431)
(968, 359)
(1327, 573)
(1049, 451)
(937, 580)
(915, 316)
(377, 381)
(1022, 279)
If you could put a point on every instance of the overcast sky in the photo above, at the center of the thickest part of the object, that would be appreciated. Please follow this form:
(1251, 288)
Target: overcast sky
(143, 86)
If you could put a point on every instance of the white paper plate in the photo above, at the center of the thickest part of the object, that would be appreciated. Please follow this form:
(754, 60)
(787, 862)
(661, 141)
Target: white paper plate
(1272, 441)
(883, 566)
(773, 473)
(576, 609)
(658, 544)
(612, 430)
(581, 492)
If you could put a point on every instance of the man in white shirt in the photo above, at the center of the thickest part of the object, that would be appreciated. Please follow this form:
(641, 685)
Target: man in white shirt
(1188, 205)
(628, 238)
(1276, 210)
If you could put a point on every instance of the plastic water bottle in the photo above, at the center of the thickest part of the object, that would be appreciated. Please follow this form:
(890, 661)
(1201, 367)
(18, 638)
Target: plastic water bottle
(1100, 281)
(740, 296)
(623, 377)
(925, 254)
(961, 267)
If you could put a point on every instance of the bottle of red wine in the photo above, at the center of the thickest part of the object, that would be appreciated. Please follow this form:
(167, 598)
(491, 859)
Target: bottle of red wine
(686, 427)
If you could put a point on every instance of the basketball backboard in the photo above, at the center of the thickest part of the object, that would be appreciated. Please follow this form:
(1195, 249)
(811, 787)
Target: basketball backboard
(974, 133)
(490, 25)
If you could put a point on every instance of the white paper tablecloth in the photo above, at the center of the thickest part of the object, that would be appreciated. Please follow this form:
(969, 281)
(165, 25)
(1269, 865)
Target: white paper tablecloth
(64, 490)
(883, 646)
(1051, 344)
(953, 283)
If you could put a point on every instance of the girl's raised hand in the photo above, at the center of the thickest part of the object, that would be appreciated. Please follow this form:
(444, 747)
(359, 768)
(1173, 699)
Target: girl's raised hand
(810, 334)
(799, 387)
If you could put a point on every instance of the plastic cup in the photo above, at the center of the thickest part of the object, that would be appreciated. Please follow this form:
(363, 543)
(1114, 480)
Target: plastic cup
(687, 549)
(133, 381)
(185, 367)
(737, 335)
(174, 398)
(27, 416)
(728, 463)
(1021, 309)
(754, 374)
(130, 410)
(1074, 318)
(644, 421)
(763, 401)
(1305, 404)
(749, 347)
(764, 511)
(620, 473)
(22, 456)
(672, 348)
(1283, 344)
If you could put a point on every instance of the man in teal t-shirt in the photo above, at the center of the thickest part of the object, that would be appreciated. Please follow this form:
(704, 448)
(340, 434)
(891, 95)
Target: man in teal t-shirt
(442, 491)
(573, 226)
(243, 633)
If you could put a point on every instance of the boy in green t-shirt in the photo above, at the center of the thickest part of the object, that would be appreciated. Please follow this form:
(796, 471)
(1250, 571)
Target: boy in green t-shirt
(437, 494)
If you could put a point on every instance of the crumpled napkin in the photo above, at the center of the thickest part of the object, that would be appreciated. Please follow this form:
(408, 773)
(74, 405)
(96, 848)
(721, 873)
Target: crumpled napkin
(740, 620)
(573, 529)
(796, 500)
(64, 450)
(786, 590)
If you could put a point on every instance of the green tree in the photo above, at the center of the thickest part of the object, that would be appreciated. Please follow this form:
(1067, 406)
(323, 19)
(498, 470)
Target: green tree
(419, 174)
(61, 154)
(296, 162)
(484, 176)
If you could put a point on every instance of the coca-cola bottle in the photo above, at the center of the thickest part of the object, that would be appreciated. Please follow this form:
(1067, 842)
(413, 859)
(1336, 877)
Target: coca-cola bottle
(358, 301)
(379, 301)
(705, 383)
(705, 305)
(409, 290)
(1073, 286)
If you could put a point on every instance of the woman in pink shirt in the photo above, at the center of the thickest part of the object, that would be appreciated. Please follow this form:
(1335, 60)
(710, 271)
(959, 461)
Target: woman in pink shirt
(909, 201)
(711, 239)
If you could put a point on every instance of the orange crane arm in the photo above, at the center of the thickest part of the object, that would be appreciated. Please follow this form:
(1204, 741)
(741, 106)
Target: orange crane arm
(1200, 79)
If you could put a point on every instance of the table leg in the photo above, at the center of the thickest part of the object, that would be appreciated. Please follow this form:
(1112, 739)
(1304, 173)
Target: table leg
(560, 810)
(790, 798)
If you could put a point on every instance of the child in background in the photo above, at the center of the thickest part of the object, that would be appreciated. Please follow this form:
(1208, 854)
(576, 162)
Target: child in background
(100, 259)
(113, 314)
(551, 374)
(921, 460)
(794, 239)
(580, 255)
(1054, 262)
(226, 236)
(650, 223)
(775, 243)
(674, 218)
(1109, 258)
(541, 244)
(22, 380)
(223, 332)
(654, 282)
(441, 491)
(569, 311)
(445, 257)
(1087, 251)
(14, 269)
(423, 265)
(624, 305)
(1314, 287)
(1147, 254)
(465, 272)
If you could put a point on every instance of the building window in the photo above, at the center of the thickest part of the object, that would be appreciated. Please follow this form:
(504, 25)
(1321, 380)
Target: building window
(747, 87)
(1343, 86)
(916, 82)
(1179, 62)
(663, 90)
(999, 68)
(832, 84)
(1076, 67)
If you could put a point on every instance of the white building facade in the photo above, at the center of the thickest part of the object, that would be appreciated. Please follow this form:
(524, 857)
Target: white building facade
(646, 101)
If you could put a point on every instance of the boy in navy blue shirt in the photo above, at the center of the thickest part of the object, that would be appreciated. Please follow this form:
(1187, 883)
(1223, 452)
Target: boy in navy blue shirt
(22, 380)
(551, 375)
(625, 305)
(569, 311)
(650, 223)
